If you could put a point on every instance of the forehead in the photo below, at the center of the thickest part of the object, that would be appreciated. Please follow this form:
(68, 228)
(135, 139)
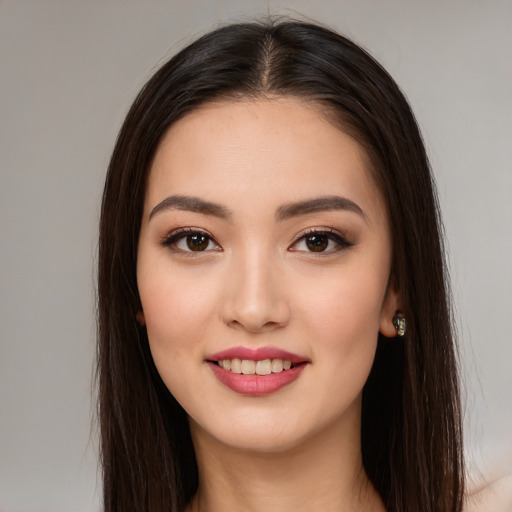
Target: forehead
(263, 151)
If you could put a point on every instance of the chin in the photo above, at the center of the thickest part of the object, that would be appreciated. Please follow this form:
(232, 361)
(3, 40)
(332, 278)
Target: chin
(277, 432)
(262, 438)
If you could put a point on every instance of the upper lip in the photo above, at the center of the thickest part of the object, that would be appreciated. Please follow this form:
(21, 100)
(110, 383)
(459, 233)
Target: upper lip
(257, 354)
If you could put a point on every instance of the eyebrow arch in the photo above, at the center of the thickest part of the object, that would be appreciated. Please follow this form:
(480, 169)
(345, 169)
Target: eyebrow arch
(192, 204)
(320, 204)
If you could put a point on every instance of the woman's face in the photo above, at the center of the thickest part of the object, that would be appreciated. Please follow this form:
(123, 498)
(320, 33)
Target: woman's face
(264, 242)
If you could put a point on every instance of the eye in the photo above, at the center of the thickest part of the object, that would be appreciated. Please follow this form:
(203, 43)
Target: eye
(320, 241)
(190, 240)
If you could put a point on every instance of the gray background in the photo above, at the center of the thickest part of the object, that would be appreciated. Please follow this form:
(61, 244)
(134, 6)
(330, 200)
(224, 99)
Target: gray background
(68, 72)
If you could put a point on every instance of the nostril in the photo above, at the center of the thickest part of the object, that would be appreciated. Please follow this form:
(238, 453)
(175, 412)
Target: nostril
(254, 308)
(254, 327)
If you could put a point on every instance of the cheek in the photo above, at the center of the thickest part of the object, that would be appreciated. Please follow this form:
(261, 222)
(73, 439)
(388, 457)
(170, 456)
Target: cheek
(344, 313)
(176, 308)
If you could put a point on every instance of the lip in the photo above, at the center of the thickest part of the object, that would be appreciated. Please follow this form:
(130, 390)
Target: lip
(257, 354)
(257, 385)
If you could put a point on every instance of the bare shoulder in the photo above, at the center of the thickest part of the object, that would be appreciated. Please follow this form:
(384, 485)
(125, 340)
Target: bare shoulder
(491, 496)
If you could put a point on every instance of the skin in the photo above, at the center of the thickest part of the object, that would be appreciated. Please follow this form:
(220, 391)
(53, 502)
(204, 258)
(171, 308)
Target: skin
(258, 284)
(491, 495)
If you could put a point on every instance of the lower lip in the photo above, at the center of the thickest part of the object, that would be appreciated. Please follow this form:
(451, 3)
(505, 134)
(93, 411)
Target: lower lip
(256, 385)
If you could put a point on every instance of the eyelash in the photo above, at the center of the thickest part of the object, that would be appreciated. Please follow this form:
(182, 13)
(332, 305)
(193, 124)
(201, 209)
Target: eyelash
(341, 242)
(173, 238)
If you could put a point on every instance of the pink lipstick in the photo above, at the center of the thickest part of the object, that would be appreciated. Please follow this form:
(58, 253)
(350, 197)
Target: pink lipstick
(256, 372)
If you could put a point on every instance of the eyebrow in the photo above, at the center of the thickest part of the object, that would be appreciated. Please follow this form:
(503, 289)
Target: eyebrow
(284, 212)
(320, 204)
(191, 204)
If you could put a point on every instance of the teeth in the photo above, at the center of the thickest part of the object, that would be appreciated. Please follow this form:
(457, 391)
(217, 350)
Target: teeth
(263, 367)
(277, 365)
(250, 367)
(236, 365)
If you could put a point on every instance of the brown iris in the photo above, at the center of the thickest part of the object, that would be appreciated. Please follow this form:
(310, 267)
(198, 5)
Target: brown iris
(317, 243)
(197, 242)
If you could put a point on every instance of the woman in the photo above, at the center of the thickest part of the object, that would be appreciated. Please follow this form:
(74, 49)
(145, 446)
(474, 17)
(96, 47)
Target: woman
(274, 322)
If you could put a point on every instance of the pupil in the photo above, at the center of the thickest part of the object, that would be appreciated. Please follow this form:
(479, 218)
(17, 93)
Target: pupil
(317, 243)
(197, 242)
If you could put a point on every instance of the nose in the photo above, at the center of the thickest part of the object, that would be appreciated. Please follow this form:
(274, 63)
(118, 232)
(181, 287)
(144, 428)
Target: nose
(255, 296)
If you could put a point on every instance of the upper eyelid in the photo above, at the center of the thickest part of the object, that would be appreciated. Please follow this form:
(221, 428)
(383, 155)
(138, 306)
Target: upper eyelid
(188, 231)
(177, 233)
(319, 230)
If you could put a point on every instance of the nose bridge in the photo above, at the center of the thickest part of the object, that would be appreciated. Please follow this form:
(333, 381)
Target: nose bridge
(255, 295)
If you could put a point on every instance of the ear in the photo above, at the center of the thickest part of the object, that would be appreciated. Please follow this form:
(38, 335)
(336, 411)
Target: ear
(140, 318)
(392, 303)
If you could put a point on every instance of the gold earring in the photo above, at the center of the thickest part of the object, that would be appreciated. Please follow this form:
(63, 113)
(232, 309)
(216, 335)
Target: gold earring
(399, 323)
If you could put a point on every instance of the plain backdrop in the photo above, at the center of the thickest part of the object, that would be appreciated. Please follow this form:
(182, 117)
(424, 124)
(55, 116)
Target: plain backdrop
(68, 73)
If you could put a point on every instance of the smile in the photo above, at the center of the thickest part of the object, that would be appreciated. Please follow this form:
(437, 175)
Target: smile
(250, 367)
(256, 372)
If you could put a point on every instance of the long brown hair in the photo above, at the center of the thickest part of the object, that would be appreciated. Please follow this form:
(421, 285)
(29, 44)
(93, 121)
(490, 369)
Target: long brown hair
(411, 420)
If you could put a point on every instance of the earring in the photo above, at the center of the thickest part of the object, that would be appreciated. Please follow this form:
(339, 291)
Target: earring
(139, 316)
(399, 323)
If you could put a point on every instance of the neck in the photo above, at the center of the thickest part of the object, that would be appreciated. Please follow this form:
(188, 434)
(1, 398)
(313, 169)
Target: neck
(324, 473)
